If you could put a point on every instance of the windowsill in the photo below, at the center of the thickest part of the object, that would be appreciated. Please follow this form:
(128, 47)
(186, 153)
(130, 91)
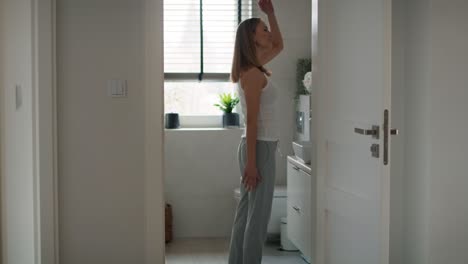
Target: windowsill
(203, 129)
(203, 123)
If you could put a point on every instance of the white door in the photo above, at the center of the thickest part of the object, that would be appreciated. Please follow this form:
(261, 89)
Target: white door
(354, 68)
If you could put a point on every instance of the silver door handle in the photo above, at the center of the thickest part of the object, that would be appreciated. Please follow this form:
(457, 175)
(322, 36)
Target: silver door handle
(374, 132)
(297, 209)
(387, 131)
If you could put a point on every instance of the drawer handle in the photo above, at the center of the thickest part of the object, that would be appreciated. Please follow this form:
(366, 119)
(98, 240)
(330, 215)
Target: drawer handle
(297, 209)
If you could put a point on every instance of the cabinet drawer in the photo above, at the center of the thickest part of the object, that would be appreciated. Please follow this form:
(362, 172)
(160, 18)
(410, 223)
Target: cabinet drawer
(295, 227)
(295, 206)
(308, 218)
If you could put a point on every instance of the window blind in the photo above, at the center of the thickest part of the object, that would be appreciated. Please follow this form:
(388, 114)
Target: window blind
(199, 36)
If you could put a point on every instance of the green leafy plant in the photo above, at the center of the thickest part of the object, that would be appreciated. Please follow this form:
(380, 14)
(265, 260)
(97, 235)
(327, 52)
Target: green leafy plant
(227, 102)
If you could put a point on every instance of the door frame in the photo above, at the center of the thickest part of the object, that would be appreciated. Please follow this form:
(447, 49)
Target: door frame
(45, 134)
(154, 132)
(44, 51)
(44, 131)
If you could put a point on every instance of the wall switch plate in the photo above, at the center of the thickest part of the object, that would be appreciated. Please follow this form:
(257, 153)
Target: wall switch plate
(117, 88)
(18, 96)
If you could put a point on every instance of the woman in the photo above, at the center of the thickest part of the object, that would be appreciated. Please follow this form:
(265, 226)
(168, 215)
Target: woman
(255, 46)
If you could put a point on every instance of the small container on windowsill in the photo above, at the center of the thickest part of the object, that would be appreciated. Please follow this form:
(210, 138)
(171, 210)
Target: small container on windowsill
(230, 120)
(171, 121)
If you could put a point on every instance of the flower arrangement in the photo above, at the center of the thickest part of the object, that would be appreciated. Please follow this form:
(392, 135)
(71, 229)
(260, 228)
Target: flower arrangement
(303, 66)
(307, 81)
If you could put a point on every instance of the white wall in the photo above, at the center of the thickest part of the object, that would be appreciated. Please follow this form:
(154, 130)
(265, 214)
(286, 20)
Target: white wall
(435, 179)
(201, 147)
(201, 174)
(101, 148)
(417, 133)
(17, 166)
(296, 31)
(449, 129)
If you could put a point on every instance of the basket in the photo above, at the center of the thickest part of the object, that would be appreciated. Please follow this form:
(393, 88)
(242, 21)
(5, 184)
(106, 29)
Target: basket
(168, 223)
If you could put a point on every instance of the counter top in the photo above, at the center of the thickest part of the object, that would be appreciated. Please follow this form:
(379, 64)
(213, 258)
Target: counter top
(305, 167)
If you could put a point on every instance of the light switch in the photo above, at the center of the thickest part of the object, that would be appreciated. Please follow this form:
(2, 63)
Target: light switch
(117, 88)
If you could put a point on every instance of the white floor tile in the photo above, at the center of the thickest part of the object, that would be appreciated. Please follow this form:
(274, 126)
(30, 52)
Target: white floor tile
(215, 251)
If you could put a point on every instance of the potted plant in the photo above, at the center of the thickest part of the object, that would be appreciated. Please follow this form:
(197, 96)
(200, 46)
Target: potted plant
(227, 104)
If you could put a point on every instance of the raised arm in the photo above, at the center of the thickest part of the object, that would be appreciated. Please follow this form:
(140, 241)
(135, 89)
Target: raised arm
(267, 7)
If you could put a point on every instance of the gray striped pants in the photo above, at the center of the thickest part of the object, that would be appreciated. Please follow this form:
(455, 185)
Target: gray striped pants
(254, 209)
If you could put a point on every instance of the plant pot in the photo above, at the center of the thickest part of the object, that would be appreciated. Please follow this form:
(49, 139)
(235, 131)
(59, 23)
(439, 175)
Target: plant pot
(231, 120)
(172, 120)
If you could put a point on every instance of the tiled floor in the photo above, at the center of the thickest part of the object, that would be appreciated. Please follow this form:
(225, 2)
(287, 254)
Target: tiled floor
(215, 251)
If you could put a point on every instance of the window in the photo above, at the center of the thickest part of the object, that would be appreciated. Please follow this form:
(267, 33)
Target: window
(198, 47)
(199, 37)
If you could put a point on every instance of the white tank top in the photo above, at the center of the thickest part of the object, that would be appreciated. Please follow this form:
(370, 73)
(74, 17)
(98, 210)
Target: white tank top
(267, 125)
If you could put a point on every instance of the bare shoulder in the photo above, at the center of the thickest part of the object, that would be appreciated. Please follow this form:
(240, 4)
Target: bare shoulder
(253, 79)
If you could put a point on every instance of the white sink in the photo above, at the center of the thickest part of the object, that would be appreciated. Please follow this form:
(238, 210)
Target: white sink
(302, 150)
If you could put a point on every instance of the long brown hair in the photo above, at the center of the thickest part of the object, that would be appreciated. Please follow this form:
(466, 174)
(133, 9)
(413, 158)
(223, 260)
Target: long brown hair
(245, 54)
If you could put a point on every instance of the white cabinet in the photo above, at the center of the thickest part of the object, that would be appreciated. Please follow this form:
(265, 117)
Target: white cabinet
(301, 207)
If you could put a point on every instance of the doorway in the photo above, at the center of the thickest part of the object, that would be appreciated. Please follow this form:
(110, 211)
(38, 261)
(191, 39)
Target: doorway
(205, 155)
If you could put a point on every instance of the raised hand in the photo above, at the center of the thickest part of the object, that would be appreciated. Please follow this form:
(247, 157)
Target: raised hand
(266, 6)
